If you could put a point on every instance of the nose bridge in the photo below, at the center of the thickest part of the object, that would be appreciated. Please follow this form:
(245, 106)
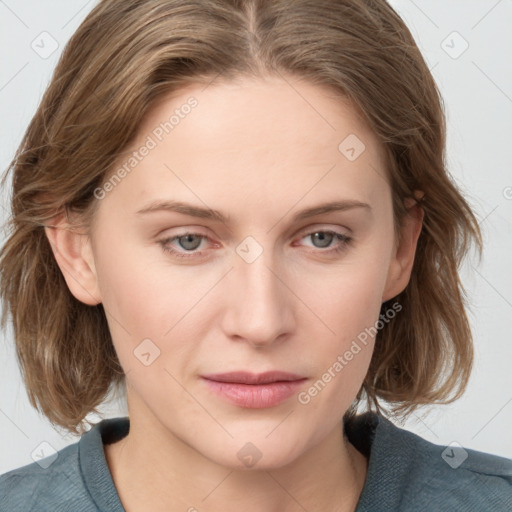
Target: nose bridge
(259, 306)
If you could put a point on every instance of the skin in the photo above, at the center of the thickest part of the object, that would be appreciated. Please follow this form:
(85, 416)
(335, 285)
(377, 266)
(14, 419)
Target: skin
(258, 151)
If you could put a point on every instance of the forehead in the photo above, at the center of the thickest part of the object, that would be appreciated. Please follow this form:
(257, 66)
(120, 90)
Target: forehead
(259, 138)
(249, 114)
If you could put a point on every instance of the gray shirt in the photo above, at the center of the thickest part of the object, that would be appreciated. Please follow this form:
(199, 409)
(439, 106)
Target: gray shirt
(405, 473)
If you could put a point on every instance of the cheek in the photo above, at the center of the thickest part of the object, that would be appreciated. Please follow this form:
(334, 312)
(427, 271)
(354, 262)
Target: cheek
(348, 305)
(349, 300)
(340, 361)
(140, 288)
(141, 301)
(147, 297)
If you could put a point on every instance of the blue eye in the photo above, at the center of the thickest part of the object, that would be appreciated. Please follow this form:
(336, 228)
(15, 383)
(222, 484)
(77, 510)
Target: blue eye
(189, 246)
(187, 237)
(331, 235)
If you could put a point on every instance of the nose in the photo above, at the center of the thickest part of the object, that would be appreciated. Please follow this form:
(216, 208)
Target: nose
(259, 304)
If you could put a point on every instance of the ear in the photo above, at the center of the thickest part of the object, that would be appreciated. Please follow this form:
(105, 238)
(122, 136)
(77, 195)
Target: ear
(73, 253)
(400, 268)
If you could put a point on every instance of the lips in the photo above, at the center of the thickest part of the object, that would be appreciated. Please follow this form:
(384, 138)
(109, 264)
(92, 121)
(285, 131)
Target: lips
(254, 391)
(254, 378)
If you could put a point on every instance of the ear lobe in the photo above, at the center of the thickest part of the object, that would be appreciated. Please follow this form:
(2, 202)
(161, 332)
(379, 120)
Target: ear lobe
(400, 268)
(73, 253)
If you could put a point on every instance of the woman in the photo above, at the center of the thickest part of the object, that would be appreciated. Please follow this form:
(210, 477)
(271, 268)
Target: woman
(241, 212)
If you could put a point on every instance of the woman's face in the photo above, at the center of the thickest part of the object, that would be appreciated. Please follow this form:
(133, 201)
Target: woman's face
(264, 289)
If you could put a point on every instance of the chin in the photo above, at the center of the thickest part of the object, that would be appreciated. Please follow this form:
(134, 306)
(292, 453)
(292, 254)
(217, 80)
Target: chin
(258, 454)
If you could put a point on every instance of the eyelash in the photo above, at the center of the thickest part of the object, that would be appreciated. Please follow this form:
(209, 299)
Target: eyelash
(343, 239)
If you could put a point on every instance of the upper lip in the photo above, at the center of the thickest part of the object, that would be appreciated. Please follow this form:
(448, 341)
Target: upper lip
(241, 377)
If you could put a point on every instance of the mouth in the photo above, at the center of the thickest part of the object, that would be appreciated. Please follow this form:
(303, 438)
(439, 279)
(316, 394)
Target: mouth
(254, 390)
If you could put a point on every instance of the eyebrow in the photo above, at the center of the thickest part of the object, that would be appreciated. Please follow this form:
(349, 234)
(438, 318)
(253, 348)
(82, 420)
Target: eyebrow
(215, 215)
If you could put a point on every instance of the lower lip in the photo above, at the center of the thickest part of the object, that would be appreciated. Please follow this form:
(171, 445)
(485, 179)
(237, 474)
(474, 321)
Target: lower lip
(255, 396)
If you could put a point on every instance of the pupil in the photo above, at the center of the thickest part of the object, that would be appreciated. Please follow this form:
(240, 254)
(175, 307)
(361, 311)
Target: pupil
(188, 239)
(323, 237)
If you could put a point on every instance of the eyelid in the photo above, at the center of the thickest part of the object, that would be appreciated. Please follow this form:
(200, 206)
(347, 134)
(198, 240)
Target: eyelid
(204, 239)
(343, 241)
(167, 240)
(325, 227)
(301, 233)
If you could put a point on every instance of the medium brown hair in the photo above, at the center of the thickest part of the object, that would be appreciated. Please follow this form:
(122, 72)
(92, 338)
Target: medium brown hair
(124, 57)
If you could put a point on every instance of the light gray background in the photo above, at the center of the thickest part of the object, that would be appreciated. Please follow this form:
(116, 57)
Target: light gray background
(477, 89)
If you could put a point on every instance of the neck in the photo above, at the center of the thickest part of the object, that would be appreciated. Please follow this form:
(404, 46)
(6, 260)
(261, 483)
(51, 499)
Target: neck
(161, 472)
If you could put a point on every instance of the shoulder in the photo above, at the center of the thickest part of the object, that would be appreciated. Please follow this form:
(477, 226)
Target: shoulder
(461, 478)
(449, 477)
(76, 478)
(421, 475)
(46, 485)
